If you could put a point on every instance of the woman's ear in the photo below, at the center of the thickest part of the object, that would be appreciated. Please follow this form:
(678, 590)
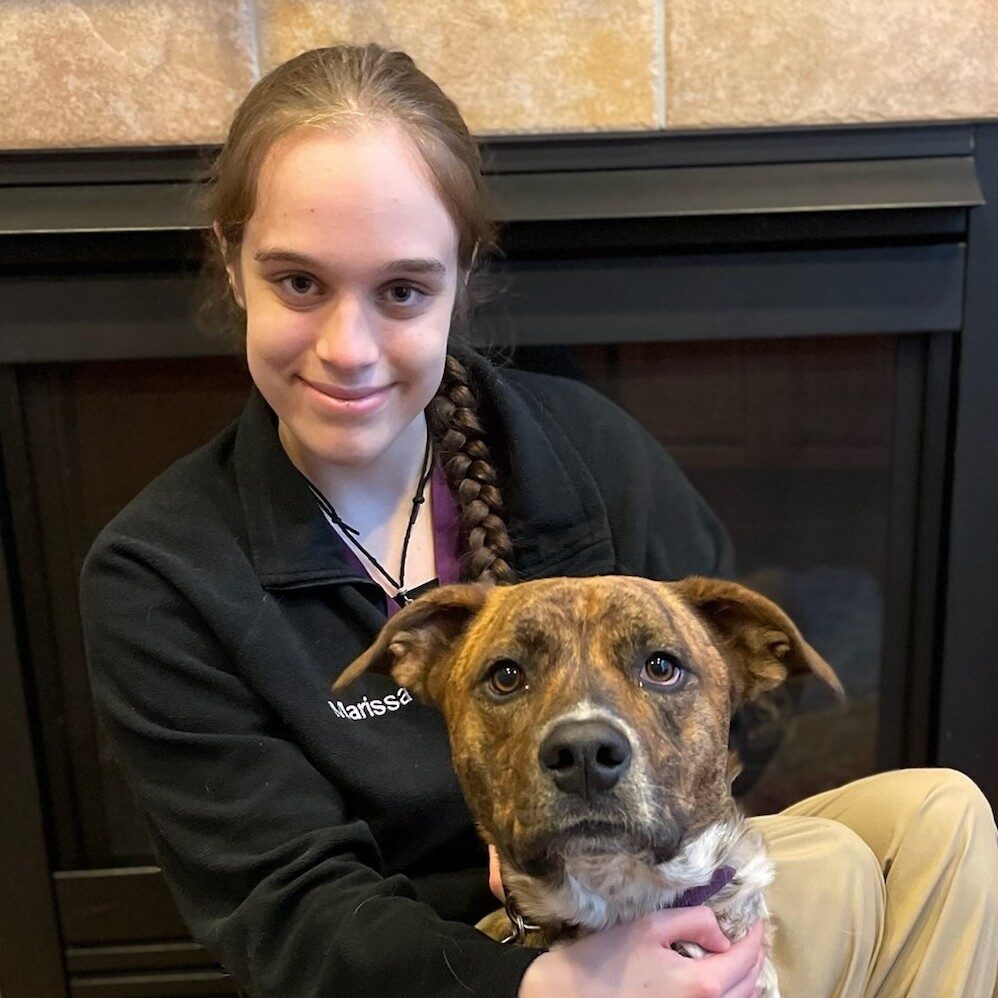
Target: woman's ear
(232, 269)
(416, 640)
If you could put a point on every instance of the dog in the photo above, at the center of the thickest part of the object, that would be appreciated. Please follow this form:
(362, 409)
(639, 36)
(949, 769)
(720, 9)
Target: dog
(588, 720)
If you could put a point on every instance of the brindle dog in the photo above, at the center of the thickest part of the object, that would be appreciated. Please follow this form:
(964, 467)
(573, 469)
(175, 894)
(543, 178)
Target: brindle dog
(588, 720)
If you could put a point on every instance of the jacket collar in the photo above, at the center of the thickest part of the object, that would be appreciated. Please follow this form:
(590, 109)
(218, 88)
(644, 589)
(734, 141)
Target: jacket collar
(555, 514)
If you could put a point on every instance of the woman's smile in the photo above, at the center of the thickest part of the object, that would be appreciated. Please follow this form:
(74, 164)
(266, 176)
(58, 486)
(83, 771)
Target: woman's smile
(333, 398)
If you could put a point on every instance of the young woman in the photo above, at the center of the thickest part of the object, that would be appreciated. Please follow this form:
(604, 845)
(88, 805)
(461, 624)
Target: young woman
(323, 847)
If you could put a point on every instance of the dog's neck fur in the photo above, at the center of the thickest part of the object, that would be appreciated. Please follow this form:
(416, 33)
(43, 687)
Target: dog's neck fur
(597, 891)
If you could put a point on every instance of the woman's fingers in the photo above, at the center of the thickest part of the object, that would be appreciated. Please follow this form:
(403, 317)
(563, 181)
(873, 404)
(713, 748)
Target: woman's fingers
(736, 971)
(748, 986)
(692, 925)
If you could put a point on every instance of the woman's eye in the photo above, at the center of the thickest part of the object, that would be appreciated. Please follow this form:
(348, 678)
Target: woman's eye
(506, 678)
(302, 286)
(404, 294)
(663, 669)
(297, 284)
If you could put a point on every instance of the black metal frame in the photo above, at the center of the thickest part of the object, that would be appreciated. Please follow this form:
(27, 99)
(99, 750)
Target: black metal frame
(906, 734)
(110, 238)
(31, 954)
(967, 713)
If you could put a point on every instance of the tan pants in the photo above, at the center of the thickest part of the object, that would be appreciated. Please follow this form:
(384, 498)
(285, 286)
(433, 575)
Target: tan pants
(886, 887)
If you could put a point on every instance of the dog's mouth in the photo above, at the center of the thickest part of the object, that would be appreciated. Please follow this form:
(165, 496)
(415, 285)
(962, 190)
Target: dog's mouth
(547, 851)
(587, 832)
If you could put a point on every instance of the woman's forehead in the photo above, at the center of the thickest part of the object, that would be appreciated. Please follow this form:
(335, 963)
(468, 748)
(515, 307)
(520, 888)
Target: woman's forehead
(316, 185)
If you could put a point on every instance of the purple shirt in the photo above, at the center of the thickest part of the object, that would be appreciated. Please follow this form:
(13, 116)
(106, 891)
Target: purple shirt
(446, 536)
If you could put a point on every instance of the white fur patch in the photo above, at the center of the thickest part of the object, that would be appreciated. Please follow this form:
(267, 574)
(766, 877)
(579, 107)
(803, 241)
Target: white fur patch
(601, 890)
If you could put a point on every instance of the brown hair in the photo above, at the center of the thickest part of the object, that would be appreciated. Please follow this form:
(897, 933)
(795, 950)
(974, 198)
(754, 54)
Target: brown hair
(341, 88)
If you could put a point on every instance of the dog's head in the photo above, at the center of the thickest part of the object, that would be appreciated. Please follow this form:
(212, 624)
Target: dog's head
(589, 715)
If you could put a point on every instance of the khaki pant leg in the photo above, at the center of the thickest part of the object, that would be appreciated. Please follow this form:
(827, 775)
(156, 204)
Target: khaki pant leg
(934, 837)
(827, 902)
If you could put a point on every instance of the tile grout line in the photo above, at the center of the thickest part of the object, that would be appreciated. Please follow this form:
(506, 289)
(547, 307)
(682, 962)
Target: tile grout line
(660, 57)
(252, 36)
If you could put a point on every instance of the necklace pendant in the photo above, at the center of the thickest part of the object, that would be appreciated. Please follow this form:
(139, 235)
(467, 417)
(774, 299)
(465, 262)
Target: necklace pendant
(404, 597)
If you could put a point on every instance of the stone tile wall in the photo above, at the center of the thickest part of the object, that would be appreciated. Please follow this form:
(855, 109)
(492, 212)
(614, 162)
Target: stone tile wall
(84, 73)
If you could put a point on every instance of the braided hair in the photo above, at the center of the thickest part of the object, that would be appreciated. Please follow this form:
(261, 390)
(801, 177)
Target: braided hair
(460, 439)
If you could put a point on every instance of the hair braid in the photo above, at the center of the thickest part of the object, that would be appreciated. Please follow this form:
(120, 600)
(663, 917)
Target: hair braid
(454, 423)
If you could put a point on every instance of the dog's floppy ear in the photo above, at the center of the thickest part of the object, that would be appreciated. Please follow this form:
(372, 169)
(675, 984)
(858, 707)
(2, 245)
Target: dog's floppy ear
(761, 641)
(415, 638)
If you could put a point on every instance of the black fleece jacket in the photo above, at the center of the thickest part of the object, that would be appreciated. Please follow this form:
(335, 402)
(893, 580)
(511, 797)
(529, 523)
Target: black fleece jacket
(319, 850)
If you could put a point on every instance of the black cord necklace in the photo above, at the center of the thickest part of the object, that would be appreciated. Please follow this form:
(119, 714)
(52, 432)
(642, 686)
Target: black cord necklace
(402, 597)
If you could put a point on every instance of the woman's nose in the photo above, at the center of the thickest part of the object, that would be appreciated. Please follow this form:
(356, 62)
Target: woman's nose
(347, 338)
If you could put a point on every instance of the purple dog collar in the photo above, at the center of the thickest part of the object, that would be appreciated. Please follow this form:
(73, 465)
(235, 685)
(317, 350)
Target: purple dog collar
(722, 876)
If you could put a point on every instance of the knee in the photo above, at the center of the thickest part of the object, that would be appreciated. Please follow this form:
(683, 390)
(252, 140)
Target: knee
(953, 829)
(953, 805)
(961, 792)
(938, 803)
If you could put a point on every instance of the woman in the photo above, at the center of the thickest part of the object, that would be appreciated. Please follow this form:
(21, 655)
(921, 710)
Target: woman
(319, 849)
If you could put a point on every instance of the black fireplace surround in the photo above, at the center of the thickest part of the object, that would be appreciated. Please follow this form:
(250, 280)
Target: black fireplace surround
(860, 263)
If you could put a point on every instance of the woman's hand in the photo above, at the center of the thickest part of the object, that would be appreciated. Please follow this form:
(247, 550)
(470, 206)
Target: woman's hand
(636, 959)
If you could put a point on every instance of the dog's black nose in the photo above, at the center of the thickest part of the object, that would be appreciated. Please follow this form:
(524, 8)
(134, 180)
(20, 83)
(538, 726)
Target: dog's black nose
(584, 757)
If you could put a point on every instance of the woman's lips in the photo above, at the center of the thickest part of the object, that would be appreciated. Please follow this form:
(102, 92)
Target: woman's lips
(356, 400)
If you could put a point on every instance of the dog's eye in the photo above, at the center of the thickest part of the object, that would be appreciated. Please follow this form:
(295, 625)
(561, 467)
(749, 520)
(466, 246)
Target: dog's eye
(505, 678)
(663, 669)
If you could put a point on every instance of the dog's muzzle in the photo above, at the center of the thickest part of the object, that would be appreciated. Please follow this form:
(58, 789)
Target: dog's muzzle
(585, 758)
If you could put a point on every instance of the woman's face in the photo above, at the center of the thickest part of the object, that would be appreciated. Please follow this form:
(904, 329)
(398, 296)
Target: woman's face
(348, 273)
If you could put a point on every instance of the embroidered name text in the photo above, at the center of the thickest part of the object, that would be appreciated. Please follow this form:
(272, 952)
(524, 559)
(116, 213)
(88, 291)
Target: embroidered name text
(370, 708)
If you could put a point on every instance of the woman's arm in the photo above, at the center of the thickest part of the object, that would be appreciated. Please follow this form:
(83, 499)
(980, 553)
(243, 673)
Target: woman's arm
(267, 866)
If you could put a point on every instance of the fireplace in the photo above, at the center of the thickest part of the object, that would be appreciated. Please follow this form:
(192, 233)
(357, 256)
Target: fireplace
(802, 317)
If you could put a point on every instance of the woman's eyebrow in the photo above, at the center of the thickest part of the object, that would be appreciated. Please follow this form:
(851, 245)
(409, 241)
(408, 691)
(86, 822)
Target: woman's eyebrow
(415, 266)
(410, 265)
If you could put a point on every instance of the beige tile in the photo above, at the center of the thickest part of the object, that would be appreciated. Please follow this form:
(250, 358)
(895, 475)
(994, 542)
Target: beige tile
(511, 65)
(121, 72)
(755, 62)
